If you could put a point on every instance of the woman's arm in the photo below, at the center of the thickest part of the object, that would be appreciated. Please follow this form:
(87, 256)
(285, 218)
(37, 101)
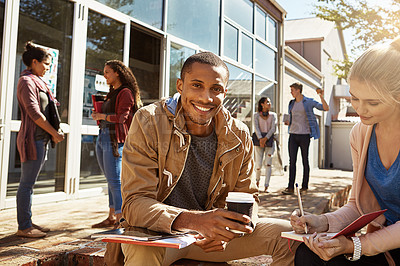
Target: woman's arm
(272, 130)
(56, 136)
(125, 103)
(257, 125)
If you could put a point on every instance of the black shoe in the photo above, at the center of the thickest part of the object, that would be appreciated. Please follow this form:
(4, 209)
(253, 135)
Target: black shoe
(288, 191)
(303, 191)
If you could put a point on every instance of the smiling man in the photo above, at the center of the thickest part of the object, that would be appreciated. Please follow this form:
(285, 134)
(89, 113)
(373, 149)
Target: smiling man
(181, 158)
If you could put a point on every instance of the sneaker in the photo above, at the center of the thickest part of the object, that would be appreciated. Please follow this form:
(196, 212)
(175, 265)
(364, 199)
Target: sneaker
(31, 232)
(288, 191)
(41, 228)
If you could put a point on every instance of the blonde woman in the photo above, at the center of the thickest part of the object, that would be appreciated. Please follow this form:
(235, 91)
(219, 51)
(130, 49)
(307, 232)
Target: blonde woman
(375, 95)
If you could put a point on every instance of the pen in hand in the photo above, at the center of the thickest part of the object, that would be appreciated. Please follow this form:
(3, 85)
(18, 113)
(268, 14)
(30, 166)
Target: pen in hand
(301, 206)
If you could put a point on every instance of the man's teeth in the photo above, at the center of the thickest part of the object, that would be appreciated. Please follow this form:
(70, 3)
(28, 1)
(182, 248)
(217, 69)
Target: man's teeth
(202, 108)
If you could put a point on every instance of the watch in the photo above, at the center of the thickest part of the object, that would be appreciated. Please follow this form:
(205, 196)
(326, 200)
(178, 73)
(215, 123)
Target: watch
(357, 249)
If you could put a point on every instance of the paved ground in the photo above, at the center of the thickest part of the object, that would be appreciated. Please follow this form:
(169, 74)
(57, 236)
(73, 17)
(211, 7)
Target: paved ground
(69, 241)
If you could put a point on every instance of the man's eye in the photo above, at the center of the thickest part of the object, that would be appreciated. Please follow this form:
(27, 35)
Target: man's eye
(218, 89)
(196, 85)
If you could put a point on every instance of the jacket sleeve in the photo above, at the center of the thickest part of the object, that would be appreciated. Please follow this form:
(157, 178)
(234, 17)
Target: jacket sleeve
(244, 181)
(125, 103)
(272, 131)
(348, 213)
(27, 95)
(140, 178)
(317, 105)
(257, 125)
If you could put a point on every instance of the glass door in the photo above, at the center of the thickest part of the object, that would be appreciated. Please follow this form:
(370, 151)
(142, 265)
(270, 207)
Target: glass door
(51, 29)
(107, 38)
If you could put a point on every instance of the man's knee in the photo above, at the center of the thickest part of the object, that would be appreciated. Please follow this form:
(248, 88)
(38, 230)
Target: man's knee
(142, 255)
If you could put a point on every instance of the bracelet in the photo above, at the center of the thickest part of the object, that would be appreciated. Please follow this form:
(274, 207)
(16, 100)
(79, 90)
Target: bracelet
(357, 249)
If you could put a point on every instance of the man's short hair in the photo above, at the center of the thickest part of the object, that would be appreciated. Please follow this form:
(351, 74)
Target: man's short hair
(297, 86)
(207, 58)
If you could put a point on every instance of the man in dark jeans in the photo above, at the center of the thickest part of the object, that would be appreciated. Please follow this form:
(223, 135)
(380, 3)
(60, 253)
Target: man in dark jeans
(302, 126)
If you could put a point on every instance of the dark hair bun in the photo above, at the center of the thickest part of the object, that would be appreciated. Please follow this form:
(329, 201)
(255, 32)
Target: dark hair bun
(29, 45)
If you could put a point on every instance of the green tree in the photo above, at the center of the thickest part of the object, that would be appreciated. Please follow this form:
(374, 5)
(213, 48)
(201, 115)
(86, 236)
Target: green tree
(370, 24)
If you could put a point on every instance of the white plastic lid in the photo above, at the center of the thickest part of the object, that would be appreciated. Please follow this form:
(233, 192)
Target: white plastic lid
(240, 197)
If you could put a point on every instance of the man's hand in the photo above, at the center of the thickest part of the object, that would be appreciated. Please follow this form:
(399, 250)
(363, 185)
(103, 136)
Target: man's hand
(213, 226)
(209, 245)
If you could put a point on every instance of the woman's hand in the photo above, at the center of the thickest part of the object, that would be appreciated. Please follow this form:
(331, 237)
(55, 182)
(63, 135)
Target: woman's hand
(314, 223)
(263, 141)
(327, 248)
(98, 116)
(58, 137)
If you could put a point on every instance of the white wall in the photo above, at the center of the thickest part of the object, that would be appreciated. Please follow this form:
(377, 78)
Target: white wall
(341, 154)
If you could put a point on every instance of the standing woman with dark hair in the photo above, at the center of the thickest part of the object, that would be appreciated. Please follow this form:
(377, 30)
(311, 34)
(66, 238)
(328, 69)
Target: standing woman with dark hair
(35, 133)
(121, 103)
(264, 129)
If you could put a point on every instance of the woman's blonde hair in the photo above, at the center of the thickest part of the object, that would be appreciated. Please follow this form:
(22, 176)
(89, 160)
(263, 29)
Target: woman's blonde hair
(379, 68)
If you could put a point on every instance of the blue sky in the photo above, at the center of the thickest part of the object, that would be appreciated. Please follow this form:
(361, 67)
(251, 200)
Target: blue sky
(302, 9)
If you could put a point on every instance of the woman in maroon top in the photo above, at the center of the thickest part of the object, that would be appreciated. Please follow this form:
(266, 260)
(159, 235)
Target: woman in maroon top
(121, 103)
(33, 99)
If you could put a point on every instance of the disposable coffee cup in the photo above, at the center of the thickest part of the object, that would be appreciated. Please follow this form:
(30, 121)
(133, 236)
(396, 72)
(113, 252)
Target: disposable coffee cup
(240, 202)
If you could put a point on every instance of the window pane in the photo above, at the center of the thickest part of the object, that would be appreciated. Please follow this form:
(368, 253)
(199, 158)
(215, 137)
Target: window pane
(90, 175)
(105, 41)
(144, 62)
(197, 22)
(148, 11)
(48, 23)
(265, 88)
(265, 61)
(238, 98)
(272, 31)
(241, 11)
(1, 25)
(52, 176)
(231, 41)
(179, 54)
(260, 23)
(247, 50)
(52, 29)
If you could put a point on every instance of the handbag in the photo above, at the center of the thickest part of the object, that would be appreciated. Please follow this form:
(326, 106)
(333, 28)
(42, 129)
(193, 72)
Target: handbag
(256, 141)
(54, 117)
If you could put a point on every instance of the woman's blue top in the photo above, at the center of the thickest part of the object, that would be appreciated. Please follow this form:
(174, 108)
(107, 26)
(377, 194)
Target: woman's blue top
(385, 184)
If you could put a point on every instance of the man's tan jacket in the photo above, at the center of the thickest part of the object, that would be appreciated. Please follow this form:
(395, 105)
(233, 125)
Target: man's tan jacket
(154, 158)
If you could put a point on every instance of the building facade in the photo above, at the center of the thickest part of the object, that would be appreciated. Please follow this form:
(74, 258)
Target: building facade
(311, 47)
(153, 37)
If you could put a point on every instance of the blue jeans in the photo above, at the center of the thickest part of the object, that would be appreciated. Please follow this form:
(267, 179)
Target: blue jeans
(296, 141)
(111, 167)
(29, 172)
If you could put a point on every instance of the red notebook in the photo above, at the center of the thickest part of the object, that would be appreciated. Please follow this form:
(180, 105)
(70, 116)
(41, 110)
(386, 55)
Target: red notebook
(98, 101)
(349, 230)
